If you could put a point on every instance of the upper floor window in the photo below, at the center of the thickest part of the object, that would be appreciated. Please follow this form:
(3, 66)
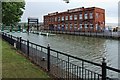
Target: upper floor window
(86, 15)
(97, 15)
(55, 18)
(80, 16)
(70, 17)
(91, 15)
(58, 18)
(62, 18)
(66, 17)
(75, 17)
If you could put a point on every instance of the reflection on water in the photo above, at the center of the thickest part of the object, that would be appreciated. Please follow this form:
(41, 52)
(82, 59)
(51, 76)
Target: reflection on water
(93, 49)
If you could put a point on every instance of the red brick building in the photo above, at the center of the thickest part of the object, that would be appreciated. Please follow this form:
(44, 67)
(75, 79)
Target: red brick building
(79, 19)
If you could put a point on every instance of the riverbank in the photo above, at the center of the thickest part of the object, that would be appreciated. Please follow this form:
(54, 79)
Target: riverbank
(108, 35)
(15, 65)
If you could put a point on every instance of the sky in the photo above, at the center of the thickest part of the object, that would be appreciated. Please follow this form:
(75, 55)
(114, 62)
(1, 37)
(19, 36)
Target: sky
(39, 8)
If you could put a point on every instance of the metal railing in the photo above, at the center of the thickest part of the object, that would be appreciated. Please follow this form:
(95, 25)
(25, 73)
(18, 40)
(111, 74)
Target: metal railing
(59, 64)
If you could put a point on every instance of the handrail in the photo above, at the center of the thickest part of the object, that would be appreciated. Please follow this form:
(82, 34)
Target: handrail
(38, 45)
(77, 58)
(113, 69)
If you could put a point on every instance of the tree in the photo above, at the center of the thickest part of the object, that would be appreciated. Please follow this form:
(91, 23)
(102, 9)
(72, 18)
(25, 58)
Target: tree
(12, 12)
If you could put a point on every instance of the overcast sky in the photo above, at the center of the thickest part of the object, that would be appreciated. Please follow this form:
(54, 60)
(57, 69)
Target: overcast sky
(39, 8)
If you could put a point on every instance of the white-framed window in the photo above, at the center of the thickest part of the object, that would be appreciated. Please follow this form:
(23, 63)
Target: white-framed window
(55, 18)
(70, 17)
(75, 17)
(86, 26)
(86, 15)
(62, 18)
(66, 18)
(97, 15)
(70, 26)
(58, 26)
(75, 26)
(91, 26)
(80, 16)
(80, 26)
(58, 18)
(91, 15)
(96, 26)
(66, 26)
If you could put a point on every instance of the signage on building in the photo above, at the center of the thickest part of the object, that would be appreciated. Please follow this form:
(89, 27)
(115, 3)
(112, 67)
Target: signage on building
(74, 10)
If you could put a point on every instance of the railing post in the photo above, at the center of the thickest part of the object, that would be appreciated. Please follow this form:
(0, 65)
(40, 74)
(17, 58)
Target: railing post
(68, 67)
(28, 48)
(82, 70)
(103, 69)
(11, 36)
(17, 45)
(48, 57)
(20, 42)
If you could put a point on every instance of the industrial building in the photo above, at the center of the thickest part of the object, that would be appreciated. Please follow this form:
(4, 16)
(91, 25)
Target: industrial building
(82, 19)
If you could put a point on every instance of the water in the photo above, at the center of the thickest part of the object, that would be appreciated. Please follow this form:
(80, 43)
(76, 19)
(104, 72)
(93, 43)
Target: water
(93, 49)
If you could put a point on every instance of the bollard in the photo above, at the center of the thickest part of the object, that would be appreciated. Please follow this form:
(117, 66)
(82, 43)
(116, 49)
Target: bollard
(48, 56)
(103, 69)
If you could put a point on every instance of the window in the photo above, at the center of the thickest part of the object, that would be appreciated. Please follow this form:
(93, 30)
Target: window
(75, 17)
(86, 16)
(62, 26)
(55, 18)
(62, 18)
(58, 26)
(70, 17)
(91, 15)
(66, 26)
(70, 26)
(66, 17)
(58, 18)
(86, 26)
(75, 26)
(97, 15)
(80, 16)
(91, 26)
(80, 26)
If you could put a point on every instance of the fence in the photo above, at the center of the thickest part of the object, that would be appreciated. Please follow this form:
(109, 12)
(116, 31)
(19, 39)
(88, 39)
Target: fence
(107, 34)
(59, 64)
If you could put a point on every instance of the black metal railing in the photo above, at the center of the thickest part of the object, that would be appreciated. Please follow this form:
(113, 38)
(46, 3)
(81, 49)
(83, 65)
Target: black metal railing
(59, 64)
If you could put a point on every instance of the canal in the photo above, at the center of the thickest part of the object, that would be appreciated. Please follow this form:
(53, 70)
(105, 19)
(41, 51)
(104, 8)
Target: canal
(93, 49)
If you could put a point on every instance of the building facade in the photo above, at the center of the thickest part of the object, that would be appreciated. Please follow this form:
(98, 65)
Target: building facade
(80, 19)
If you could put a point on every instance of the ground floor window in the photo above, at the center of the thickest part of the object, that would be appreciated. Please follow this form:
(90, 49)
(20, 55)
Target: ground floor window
(75, 26)
(66, 27)
(71, 26)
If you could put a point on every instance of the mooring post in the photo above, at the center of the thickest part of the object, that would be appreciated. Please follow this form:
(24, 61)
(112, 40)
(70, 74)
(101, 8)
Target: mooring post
(48, 56)
(28, 48)
(103, 69)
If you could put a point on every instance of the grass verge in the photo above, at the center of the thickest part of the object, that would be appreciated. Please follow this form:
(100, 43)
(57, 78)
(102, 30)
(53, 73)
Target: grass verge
(16, 66)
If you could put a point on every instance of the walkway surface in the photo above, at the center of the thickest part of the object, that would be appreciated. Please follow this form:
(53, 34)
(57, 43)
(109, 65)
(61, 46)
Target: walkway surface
(15, 65)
